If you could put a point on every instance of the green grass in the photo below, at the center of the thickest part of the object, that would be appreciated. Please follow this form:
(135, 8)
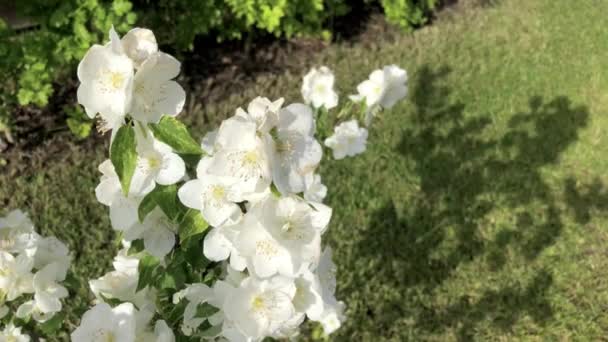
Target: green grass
(479, 209)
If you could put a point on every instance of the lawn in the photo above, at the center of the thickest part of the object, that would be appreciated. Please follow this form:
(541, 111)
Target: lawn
(478, 210)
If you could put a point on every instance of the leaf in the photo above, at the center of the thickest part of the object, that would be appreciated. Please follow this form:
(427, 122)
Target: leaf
(79, 128)
(136, 247)
(205, 310)
(214, 331)
(192, 224)
(124, 156)
(175, 134)
(164, 196)
(193, 252)
(174, 277)
(166, 199)
(51, 326)
(274, 190)
(147, 268)
(146, 206)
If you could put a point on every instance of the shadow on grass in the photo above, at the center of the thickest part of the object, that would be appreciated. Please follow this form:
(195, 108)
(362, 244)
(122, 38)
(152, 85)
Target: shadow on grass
(465, 177)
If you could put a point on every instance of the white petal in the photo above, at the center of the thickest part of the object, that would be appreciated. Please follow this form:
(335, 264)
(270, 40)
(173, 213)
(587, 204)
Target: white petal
(215, 246)
(173, 169)
(190, 194)
(298, 118)
(159, 242)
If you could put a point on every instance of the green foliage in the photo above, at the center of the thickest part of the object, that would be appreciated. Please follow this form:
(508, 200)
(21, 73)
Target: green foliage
(408, 13)
(34, 60)
(175, 134)
(124, 156)
(148, 269)
(236, 19)
(78, 122)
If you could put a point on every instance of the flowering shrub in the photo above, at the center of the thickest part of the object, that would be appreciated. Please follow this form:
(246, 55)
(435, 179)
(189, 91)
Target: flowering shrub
(221, 239)
(32, 268)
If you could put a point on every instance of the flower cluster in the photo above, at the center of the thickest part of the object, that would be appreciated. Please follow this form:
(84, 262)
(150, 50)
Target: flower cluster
(32, 268)
(222, 239)
(129, 75)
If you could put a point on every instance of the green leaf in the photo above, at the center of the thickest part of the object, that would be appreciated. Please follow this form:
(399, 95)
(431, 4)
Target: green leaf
(164, 196)
(205, 310)
(166, 199)
(148, 267)
(175, 134)
(79, 128)
(174, 277)
(146, 206)
(211, 332)
(192, 224)
(136, 247)
(71, 282)
(274, 190)
(52, 325)
(193, 252)
(124, 156)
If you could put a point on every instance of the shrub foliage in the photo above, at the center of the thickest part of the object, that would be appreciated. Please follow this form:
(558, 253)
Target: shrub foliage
(34, 59)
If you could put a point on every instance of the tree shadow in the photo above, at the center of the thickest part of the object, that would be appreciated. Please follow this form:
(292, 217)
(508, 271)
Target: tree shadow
(468, 176)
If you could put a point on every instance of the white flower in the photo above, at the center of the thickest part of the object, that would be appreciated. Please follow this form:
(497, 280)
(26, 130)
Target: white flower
(47, 298)
(241, 154)
(196, 294)
(123, 210)
(332, 314)
(208, 142)
(264, 255)
(154, 92)
(17, 233)
(219, 244)
(259, 308)
(106, 81)
(17, 221)
(318, 88)
(162, 332)
(16, 276)
(49, 293)
(13, 334)
(157, 161)
(104, 323)
(139, 44)
(385, 87)
(157, 231)
(263, 112)
(348, 139)
(51, 250)
(297, 152)
(120, 283)
(314, 191)
(215, 196)
(279, 236)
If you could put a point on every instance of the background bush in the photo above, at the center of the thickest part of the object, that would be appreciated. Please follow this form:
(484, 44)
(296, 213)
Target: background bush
(33, 60)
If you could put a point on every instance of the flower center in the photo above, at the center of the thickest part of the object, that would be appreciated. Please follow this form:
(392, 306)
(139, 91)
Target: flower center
(320, 88)
(377, 90)
(218, 192)
(153, 162)
(266, 248)
(258, 303)
(116, 79)
(104, 336)
(250, 158)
